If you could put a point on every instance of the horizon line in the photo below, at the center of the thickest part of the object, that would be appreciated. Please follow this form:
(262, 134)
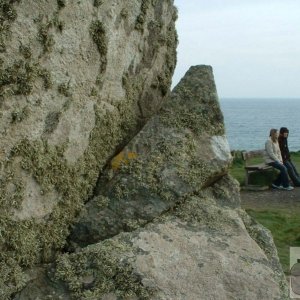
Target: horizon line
(258, 97)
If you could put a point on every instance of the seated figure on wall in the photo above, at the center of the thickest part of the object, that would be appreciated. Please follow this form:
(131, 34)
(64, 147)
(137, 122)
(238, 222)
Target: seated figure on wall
(273, 158)
(286, 157)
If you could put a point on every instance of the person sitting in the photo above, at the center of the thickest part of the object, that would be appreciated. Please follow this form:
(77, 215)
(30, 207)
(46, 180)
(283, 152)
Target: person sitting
(273, 158)
(286, 157)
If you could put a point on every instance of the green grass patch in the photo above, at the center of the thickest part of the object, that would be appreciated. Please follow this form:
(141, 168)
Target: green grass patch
(284, 226)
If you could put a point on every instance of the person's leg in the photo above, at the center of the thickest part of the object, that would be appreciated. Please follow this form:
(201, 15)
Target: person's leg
(282, 178)
(292, 173)
(294, 168)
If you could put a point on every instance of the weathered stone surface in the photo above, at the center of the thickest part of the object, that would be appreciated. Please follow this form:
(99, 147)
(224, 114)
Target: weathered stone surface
(200, 250)
(42, 284)
(195, 243)
(177, 153)
(77, 80)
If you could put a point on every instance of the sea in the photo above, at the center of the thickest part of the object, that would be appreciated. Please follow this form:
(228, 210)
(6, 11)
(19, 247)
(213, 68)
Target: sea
(248, 121)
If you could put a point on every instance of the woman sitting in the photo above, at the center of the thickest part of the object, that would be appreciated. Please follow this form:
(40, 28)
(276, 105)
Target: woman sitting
(273, 158)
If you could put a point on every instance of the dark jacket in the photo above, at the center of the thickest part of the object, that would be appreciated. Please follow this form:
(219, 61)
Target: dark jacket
(284, 148)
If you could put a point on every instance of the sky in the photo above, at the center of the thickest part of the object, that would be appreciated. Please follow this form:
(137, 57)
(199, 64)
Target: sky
(252, 45)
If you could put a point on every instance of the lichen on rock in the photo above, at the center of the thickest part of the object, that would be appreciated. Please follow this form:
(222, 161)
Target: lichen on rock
(202, 234)
(79, 96)
(73, 91)
(165, 163)
(99, 270)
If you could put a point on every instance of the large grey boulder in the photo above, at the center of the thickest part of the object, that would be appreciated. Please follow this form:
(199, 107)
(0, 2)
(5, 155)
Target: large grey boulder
(178, 152)
(194, 243)
(77, 80)
(189, 238)
(206, 248)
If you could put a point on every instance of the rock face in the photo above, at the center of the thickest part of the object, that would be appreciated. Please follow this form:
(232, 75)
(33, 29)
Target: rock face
(78, 80)
(202, 250)
(187, 236)
(178, 152)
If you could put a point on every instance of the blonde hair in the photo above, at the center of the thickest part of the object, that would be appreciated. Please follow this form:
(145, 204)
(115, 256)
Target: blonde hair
(273, 131)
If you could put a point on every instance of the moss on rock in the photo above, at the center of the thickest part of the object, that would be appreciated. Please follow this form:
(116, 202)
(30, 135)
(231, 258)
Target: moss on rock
(51, 122)
(139, 24)
(19, 115)
(202, 115)
(97, 31)
(8, 14)
(97, 3)
(25, 51)
(169, 161)
(45, 37)
(61, 4)
(18, 78)
(102, 269)
(64, 89)
(24, 242)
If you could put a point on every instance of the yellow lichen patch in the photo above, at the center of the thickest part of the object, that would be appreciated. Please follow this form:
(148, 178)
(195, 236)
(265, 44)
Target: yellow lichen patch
(122, 158)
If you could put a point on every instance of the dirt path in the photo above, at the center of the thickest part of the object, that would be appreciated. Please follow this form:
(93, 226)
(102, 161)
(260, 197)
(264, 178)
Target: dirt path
(287, 200)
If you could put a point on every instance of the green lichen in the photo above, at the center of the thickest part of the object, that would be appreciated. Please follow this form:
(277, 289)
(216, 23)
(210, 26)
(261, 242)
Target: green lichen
(97, 3)
(25, 242)
(181, 154)
(7, 16)
(97, 31)
(19, 115)
(141, 18)
(46, 76)
(162, 36)
(44, 37)
(18, 78)
(51, 122)
(102, 269)
(11, 188)
(61, 4)
(12, 278)
(25, 51)
(128, 109)
(124, 13)
(7, 10)
(57, 23)
(64, 89)
(74, 184)
(203, 117)
(94, 92)
(101, 201)
(201, 209)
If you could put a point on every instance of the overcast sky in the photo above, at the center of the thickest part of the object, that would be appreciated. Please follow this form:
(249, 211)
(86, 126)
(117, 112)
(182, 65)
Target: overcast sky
(252, 45)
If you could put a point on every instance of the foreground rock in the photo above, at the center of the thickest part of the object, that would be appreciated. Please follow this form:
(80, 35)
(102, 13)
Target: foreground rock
(177, 153)
(196, 244)
(206, 248)
(78, 80)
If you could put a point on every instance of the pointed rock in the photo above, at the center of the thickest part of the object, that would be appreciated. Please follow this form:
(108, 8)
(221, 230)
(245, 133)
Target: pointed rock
(177, 153)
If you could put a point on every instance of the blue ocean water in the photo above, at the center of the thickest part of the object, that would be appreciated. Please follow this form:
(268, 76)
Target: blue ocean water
(248, 121)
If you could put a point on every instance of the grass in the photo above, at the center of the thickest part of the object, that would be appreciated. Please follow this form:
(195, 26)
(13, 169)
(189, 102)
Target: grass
(284, 224)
